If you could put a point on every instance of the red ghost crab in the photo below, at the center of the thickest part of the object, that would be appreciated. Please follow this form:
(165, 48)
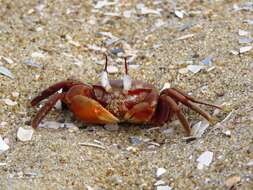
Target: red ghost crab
(117, 101)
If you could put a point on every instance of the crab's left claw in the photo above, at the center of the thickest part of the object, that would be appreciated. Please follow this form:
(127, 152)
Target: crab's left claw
(90, 111)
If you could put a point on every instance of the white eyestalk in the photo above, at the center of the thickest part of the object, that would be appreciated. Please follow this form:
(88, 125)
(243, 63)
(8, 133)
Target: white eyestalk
(127, 80)
(104, 78)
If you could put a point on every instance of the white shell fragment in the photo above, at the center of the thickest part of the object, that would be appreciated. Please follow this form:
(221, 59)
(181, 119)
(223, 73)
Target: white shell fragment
(245, 40)
(24, 134)
(112, 69)
(3, 145)
(144, 10)
(127, 82)
(245, 49)
(9, 102)
(185, 37)
(243, 32)
(204, 159)
(163, 187)
(199, 128)
(6, 72)
(165, 86)
(37, 55)
(195, 68)
(101, 4)
(160, 172)
(50, 125)
(159, 182)
(7, 60)
(179, 14)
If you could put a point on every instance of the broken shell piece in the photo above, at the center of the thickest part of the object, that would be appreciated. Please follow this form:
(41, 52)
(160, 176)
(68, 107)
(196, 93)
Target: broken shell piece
(204, 159)
(3, 145)
(179, 14)
(245, 49)
(7, 60)
(160, 172)
(199, 128)
(50, 125)
(195, 68)
(6, 72)
(9, 102)
(24, 134)
(243, 32)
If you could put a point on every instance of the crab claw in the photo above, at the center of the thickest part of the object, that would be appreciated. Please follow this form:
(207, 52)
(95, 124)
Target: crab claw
(90, 111)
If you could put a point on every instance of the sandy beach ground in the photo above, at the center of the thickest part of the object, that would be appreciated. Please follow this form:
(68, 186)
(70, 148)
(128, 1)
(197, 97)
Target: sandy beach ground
(202, 47)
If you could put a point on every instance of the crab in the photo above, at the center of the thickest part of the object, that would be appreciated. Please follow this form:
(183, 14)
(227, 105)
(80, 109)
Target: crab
(118, 101)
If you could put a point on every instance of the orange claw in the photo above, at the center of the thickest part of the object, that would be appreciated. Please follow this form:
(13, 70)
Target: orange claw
(91, 111)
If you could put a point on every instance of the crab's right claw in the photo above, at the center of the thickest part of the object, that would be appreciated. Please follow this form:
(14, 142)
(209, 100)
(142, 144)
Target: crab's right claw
(90, 111)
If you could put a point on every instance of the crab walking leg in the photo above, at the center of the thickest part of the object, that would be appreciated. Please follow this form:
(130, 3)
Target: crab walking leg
(46, 108)
(187, 102)
(176, 110)
(194, 100)
(52, 89)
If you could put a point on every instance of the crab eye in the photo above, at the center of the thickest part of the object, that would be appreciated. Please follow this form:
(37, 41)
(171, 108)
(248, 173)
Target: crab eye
(105, 81)
(104, 77)
(127, 81)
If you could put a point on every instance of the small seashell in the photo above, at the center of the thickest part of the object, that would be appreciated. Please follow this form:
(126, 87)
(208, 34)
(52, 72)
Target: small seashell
(24, 134)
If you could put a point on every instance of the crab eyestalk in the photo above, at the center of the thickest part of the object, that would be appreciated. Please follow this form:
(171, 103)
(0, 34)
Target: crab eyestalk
(104, 77)
(127, 80)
